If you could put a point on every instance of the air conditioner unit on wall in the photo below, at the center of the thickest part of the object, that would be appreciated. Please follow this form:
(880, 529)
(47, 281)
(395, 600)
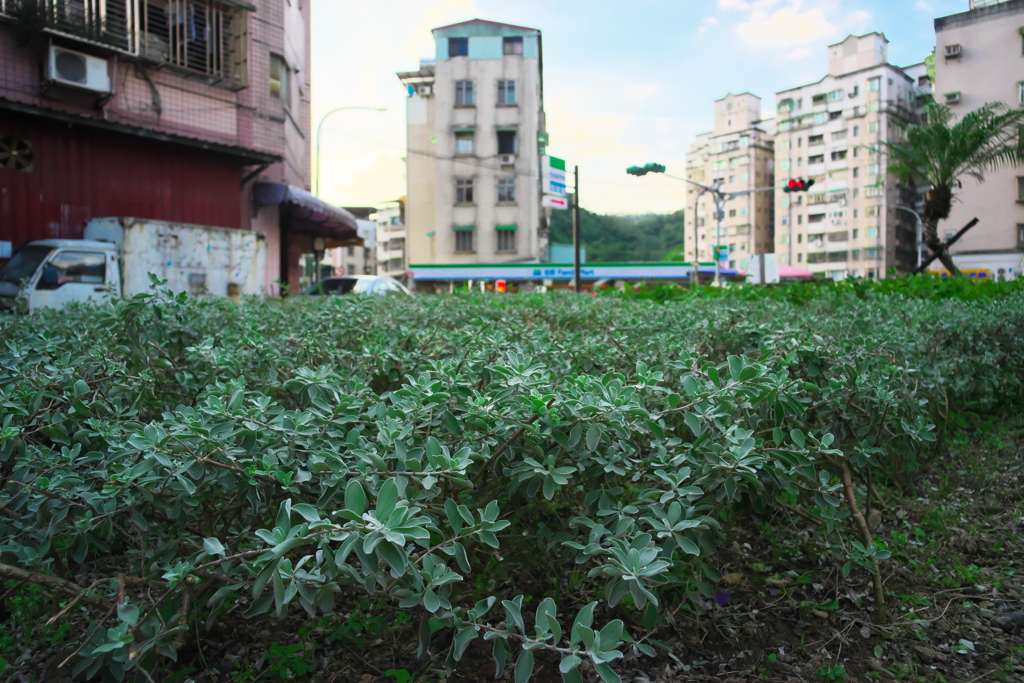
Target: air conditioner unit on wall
(508, 159)
(77, 70)
(426, 90)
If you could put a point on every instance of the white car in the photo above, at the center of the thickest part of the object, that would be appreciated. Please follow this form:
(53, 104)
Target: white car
(358, 284)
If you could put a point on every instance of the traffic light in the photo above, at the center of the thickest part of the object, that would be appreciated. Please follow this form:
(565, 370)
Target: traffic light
(500, 286)
(798, 185)
(644, 170)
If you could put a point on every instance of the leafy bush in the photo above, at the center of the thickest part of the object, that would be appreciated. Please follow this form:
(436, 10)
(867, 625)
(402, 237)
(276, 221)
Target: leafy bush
(166, 461)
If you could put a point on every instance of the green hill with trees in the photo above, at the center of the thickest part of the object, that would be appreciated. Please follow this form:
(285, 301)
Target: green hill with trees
(621, 238)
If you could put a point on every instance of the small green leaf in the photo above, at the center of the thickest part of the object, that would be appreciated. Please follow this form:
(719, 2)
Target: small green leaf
(213, 546)
(387, 500)
(128, 613)
(524, 667)
(593, 436)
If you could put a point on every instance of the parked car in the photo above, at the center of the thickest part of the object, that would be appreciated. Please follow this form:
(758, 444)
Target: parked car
(358, 284)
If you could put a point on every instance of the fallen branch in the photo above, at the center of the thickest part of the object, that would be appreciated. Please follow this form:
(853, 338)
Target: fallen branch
(55, 582)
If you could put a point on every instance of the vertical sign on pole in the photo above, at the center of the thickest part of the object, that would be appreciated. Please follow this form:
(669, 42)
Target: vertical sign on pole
(576, 229)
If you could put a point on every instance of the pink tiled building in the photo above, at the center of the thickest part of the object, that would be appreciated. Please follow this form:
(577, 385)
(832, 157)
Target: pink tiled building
(196, 111)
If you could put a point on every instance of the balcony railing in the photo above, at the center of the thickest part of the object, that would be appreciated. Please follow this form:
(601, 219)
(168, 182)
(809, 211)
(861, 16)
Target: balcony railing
(202, 37)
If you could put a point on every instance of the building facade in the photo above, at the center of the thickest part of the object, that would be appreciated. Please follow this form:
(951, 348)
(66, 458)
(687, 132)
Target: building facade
(475, 134)
(979, 58)
(857, 220)
(193, 112)
(391, 239)
(739, 154)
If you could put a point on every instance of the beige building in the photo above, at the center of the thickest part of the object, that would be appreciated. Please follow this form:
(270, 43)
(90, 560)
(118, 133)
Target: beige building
(391, 236)
(979, 58)
(738, 152)
(475, 135)
(856, 221)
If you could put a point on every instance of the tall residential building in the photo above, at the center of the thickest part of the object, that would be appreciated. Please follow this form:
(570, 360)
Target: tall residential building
(739, 152)
(979, 58)
(133, 108)
(475, 136)
(832, 132)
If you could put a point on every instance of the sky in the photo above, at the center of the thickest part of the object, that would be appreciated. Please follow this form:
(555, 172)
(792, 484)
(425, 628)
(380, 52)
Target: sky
(626, 82)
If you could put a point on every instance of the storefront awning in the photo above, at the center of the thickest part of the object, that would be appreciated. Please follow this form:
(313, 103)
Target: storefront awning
(303, 213)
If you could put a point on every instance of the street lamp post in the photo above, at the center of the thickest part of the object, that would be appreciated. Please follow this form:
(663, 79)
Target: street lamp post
(319, 129)
(920, 230)
(720, 200)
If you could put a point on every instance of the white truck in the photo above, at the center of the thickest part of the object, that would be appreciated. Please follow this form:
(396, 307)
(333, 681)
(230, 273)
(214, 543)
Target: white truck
(117, 255)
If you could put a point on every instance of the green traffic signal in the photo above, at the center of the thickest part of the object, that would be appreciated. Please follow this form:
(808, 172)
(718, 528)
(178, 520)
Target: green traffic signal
(644, 170)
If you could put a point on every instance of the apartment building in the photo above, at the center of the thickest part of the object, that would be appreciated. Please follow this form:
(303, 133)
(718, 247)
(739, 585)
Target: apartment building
(979, 58)
(739, 153)
(857, 220)
(190, 111)
(475, 136)
(391, 237)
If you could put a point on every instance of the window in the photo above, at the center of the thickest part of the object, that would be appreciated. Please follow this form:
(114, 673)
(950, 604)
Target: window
(839, 155)
(732, 213)
(875, 84)
(856, 91)
(458, 47)
(816, 159)
(279, 86)
(872, 232)
(204, 36)
(799, 221)
(507, 190)
(836, 95)
(506, 92)
(1020, 189)
(506, 142)
(874, 169)
(820, 118)
(464, 237)
(833, 115)
(86, 267)
(464, 94)
(1020, 93)
(839, 135)
(816, 218)
(506, 237)
(856, 131)
(872, 127)
(785, 165)
(513, 46)
(856, 171)
(464, 191)
(464, 143)
(815, 140)
(1020, 235)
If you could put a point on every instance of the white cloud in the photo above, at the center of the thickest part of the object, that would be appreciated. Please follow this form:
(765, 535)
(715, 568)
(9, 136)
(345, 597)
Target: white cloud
(642, 91)
(708, 23)
(786, 24)
(924, 6)
(786, 27)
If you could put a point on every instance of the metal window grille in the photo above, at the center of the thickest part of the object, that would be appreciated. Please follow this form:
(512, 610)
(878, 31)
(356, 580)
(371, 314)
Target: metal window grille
(507, 240)
(463, 144)
(207, 37)
(506, 189)
(513, 46)
(464, 191)
(464, 94)
(506, 92)
(464, 240)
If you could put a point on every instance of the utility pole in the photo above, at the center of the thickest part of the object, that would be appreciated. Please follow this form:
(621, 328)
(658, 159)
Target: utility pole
(696, 239)
(576, 229)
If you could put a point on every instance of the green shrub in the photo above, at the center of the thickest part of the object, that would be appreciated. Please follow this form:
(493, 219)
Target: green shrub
(190, 457)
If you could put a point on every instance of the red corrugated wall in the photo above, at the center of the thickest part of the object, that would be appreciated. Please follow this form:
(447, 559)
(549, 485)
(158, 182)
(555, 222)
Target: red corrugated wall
(81, 173)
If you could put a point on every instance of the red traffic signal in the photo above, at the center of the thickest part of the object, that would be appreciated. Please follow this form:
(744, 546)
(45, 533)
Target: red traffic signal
(798, 185)
(500, 286)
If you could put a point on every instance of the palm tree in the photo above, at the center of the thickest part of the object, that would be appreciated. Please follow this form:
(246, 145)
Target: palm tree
(940, 151)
